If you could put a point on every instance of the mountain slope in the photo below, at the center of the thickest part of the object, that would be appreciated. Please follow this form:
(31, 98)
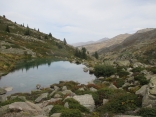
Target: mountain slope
(141, 45)
(21, 43)
(106, 43)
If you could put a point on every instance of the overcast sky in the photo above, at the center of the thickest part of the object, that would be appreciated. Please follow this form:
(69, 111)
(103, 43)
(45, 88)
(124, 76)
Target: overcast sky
(82, 20)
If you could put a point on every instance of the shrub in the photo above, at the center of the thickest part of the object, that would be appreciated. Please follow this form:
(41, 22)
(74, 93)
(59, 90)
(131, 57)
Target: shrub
(65, 112)
(137, 69)
(123, 73)
(147, 112)
(71, 113)
(57, 109)
(121, 103)
(104, 70)
(119, 82)
(154, 71)
(141, 79)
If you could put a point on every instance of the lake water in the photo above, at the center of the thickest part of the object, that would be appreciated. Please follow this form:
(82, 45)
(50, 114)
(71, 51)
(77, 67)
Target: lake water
(25, 80)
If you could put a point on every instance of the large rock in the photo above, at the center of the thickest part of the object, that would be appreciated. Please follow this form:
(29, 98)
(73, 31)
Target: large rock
(25, 107)
(148, 93)
(93, 89)
(2, 91)
(56, 88)
(64, 88)
(112, 86)
(86, 100)
(41, 97)
(142, 90)
(67, 92)
(56, 115)
(47, 109)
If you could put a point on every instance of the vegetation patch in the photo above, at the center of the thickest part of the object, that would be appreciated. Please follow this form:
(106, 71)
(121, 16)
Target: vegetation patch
(121, 103)
(147, 112)
(104, 70)
(141, 79)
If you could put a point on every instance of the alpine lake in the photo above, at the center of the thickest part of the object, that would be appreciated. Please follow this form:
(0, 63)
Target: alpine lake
(44, 72)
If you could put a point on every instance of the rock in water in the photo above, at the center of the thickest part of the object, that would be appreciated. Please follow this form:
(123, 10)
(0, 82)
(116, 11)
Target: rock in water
(8, 88)
(2, 91)
(38, 86)
(86, 100)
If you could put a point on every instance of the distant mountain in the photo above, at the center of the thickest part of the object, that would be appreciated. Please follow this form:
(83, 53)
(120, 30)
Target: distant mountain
(105, 43)
(89, 42)
(140, 45)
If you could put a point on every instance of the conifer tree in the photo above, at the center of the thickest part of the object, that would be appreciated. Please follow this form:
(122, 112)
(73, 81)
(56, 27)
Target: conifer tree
(50, 35)
(27, 32)
(65, 43)
(7, 29)
(96, 55)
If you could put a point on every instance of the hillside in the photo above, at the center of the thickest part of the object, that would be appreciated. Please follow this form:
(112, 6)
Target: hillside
(141, 45)
(18, 43)
(106, 43)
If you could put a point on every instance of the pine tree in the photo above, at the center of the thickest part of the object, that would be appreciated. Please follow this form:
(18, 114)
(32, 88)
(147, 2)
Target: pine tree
(7, 29)
(96, 55)
(38, 30)
(50, 35)
(27, 32)
(65, 43)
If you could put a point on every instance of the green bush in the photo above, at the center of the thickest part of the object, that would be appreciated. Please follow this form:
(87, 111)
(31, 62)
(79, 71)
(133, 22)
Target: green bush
(119, 82)
(141, 79)
(65, 112)
(121, 103)
(147, 112)
(57, 109)
(104, 70)
(137, 69)
(154, 71)
(71, 113)
(123, 73)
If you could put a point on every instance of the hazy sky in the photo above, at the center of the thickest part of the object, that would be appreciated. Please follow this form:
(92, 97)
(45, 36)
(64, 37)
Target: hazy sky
(82, 20)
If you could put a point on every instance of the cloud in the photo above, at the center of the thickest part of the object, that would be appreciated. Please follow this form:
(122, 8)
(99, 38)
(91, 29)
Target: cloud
(82, 20)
